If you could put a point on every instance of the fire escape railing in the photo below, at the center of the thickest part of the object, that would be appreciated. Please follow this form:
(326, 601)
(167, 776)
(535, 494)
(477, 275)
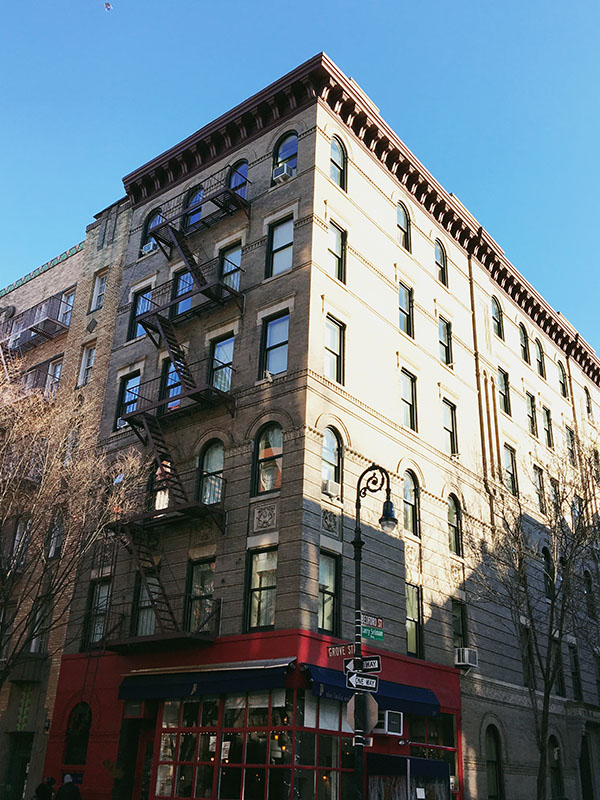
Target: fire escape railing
(37, 324)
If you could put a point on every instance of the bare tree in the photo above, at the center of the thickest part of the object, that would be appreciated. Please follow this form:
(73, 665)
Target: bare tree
(57, 494)
(535, 566)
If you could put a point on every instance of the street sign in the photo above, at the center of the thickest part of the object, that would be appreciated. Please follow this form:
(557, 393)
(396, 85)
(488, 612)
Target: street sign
(359, 680)
(369, 664)
(369, 632)
(371, 712)
(371, 621)
(333, 651)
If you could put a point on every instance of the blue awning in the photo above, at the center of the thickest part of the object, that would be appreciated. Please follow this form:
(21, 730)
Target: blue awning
(331, 683)
(245, 676)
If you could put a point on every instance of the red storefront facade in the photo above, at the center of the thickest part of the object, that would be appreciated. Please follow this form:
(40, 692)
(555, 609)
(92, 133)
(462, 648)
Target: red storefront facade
(257, 716)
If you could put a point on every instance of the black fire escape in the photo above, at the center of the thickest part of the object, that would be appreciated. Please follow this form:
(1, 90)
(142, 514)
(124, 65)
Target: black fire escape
(183, 387)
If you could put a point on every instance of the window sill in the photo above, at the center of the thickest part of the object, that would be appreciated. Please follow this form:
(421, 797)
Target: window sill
(267, 381)
(273, 495)
(269, 278)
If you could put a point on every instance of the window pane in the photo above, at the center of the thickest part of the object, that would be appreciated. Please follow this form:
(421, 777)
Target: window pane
(282, 261)
(283, 234)
(278, 331)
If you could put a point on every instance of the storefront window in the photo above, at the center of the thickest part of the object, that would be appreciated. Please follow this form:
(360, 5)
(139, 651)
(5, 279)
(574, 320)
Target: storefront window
(434, 737)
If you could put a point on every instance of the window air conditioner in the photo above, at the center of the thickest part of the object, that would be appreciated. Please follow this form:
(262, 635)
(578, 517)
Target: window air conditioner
(390, 722)
(283, 173)
(121, 423)
(149, 247)
(465, 657)
(330, 488)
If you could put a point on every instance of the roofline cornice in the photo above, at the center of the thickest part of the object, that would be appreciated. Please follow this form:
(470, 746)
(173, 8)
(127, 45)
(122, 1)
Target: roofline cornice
(320, 80)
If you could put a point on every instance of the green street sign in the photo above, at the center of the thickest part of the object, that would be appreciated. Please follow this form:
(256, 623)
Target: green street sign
(368, 632)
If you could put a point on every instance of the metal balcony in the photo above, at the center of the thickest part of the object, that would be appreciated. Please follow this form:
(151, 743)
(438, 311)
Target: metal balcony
(222, 285)
(37, 324)
(128, 627)
(41, 378)
(192, 495)
(204, 383)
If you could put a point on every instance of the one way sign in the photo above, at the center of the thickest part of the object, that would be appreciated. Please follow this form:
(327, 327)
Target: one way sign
(369, 664)
(356, 680)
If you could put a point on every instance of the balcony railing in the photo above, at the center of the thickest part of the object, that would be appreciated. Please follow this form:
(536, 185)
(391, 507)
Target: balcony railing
(129, 626)
(179, 301)
(41, 378)
(37, 324)
(206, 382)
(204, 496)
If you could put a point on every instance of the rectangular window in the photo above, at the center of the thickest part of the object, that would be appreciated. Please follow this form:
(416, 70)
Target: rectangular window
(139, 305)
(274, 351)
(97, 613)
(261, 589)
(576, 512)
(337, 252)
(575, 672)
(99, 291)
(199, 601)
(41, 620)
(531, 414)
(53, 376)
(504, 391)
(144, 617)
(408, 385)
(328, 605)
(449, 420)
(281, 244)
(170, 387)
(547, 418)
(183, 284)
(87, 363)
(559, 682)
(66, 306)
(538, 483)
(414, 621)
(570, 442)
(128, 396)
(405, 309)
(459, 624)
(221, 364)
(334, 350)
(510, 470)
(445, 337)
(527, 656)
(231, 266)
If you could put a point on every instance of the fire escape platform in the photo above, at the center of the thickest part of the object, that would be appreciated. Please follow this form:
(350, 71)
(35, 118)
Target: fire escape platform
(36, 325)
(164, 300)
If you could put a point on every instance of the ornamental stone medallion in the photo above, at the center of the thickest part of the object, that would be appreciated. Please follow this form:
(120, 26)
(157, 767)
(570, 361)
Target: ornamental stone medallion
(265, 517)
(330, 522)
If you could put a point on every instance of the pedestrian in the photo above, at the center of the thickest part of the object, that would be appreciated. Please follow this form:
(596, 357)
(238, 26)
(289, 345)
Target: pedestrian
(46, 789)
(68, 791)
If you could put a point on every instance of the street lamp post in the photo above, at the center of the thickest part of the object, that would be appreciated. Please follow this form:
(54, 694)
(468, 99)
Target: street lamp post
(373, 479)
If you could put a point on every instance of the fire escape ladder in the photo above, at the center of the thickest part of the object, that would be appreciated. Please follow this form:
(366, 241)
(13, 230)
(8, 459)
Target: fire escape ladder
(154, 587)
(168, 477)
(176, 239)
(166, 329)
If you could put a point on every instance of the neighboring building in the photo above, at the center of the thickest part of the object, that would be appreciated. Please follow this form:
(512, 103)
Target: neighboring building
(59, 320)
(300, 298)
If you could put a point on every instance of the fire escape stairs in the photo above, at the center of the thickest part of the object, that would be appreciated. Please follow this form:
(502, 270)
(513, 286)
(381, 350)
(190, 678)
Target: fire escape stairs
(158, 327)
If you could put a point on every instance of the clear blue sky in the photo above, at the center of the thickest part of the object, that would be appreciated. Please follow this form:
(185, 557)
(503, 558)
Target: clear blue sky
(498, 99)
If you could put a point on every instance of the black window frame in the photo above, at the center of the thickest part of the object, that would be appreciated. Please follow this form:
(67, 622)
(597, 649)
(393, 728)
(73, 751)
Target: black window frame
(241, 188)
(406, 314)
(178, 290)
(95, 611)
(257, 462)
(170, 381)
(441, 261)
(121, 396)
(562, 381)
(524, 341)
(223, 367)
(339, 260)
(403, 233)
(538, 485)
(497, 318)
(445, 341)
(540, 359)
(337, 464)
(455, 543)
(588, 403)
(503, 382)
(527, 657)
(192, 599)
(250, 591)
(417, 621)
(408, 404)
(156, 213)
(216, 483)
(144, 294)
(277, 161)
(337, 358)
(271, 252)
(511, 481)
(414, 505)
(334, 594)
(193, 211)
(230, 277)
(458, 610)
(342, 169)
(265, 350)
(450, 433)
(575, 670)
(532, 422)
(570, 442)
(548, 431)
(493, 764)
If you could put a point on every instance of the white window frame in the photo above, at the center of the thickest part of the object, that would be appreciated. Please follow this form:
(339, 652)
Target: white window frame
(88, 357)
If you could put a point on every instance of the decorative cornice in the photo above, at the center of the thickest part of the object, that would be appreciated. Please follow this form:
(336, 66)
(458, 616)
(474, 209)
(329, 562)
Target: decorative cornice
(320, 80)
(44, 268)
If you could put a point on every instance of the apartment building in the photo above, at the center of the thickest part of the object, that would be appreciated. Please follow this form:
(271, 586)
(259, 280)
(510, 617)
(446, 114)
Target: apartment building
(300, 299)
(57, 321)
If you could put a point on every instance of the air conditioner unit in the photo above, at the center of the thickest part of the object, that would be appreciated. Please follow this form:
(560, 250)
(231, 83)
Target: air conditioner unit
(121, 423)
(330, 488)
(465, 657)
(149, 247)
(390, 722)
(283, 173)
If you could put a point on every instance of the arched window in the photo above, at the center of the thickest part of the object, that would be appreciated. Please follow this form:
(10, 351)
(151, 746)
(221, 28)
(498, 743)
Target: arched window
(331, 457)
(493, 763)
(211, 473)
(268, 458)
(154, 219)
(562, 380)
(588, 402)
(238, 178)
(286, 152)
(549, 573)
(454, 526)
(403, 222)
(441, 262)
(337, 163)
(540, 362)
(411, 503)
(78, 734)
(194, 207)
(525, 355)
(497, 319)
(555, 768)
